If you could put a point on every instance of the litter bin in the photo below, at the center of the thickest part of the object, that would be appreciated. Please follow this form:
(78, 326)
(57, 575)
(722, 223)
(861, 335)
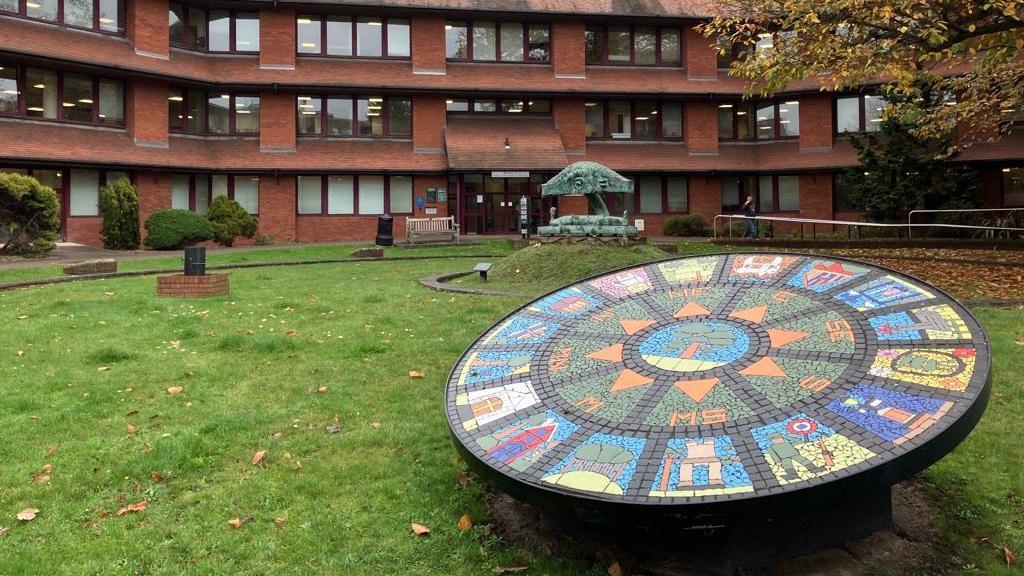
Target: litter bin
(385, 224)
(195, 261)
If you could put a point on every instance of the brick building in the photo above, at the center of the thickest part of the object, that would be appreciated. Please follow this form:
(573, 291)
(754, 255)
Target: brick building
(320, 115)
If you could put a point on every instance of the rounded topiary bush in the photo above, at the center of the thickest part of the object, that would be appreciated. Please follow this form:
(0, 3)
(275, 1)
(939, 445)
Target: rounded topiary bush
(119, 205)
(229, 220)
(29, 215)
(172, 229)
(688, 225)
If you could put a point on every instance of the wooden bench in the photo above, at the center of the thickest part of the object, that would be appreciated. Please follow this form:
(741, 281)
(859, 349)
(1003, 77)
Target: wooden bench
(431, 229)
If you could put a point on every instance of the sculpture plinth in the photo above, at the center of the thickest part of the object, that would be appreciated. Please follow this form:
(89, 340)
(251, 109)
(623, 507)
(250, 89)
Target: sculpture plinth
(588, 179)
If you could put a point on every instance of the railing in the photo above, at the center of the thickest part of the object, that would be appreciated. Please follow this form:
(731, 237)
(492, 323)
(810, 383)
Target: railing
(910, 217)
(850, 225)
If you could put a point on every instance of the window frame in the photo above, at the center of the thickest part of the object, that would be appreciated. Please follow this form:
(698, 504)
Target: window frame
(861, 113)
(232, 111)
(1002, 186)
(527, 103)
(659, 128)
(22, 98)
(232, 32)
(634, 210)
(356, 177)
(194, 177)
(632, 46)
(756, 177)
(22, 12)
(354, 37)
(497, 42)
(751, 109)
(385, 116)
(65, 193)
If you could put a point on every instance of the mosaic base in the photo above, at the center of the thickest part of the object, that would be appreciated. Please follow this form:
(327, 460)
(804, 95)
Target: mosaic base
(720, 380)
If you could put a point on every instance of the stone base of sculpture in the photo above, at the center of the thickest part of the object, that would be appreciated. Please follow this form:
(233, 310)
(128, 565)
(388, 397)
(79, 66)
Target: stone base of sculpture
(588, 225)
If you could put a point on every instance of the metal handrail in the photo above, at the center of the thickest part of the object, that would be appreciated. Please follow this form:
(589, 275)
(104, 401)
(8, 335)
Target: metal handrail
(910, 216)
(848, 223)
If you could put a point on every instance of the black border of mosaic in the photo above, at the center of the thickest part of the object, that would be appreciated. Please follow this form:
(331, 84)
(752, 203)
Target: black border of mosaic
(890, 463)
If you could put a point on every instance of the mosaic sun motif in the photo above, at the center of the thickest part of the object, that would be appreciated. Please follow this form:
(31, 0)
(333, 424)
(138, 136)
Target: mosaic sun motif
(715, 378)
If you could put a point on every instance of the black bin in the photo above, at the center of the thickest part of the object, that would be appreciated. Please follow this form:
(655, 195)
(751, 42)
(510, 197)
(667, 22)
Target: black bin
(195, 261)
(385, 225)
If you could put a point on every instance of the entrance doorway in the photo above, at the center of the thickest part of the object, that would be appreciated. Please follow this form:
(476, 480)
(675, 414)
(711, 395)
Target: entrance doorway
(490, 205)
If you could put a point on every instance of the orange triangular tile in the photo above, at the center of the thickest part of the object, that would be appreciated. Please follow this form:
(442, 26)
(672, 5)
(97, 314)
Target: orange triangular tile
(612, 353)
(755, 314)
(780, 338)
(696, 389)
(629, 379)
(763, 367)
(633, 326)
(691, 309)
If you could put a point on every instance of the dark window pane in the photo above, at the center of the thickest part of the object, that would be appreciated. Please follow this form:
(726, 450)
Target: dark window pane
(218, 113)
(619, 118)
(339, 116)
(8, 90)
(848, 114)
(220, 31)
(308, 114)
(456, 40)
(725, 118)
(1013, 187)
(196, 28)
(41, 93)
(111, 15)
(511, 42)
(724, 50)
(539, 43)
(247, 114)
(594, 40)
(398, 37)
(789, 118)
(731, 191)
(539, 106)
(671, 120)
(247, 32)
(765, 195)
(176, 110)
(677, 193)
(111, 104)
(485, 106)
(399, 116)
(176, 23)
(789, 193)
(766, 121)
(369, 37)
(670, 46)
(745, 119)
(484, 41)
(196, 118)
(847, 197)
(645, 119)
(339, 36)
(512, 106)
(595, 120)
(369, 113)
(457, 105)
(76, 12)
(307, 34)
(644, 45)
(618, 44)
(42, 9)
(874, 106)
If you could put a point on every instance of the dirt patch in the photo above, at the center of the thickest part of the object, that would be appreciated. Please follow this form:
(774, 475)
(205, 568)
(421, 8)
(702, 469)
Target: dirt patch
(912, 547)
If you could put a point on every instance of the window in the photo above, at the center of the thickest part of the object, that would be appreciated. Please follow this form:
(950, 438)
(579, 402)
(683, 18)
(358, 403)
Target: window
(505, 106)
(346, 195)
(197, 28)
(195, 192)
(497, 41)
(399, 45)
(633, 45)
(341, 195)
(40, 93)
(346, 36)
(1013, 187)
(762, 121)
(859, 113)
(371, 195)
(770, 193)
(341, 116)
(369, 37)
(84, 194)
(639, 120)
(845, 196)
(400, 194)
(99, 15)
(181, 192)
(247, 193)
(677, 194)
(652, 195)
(198, 112)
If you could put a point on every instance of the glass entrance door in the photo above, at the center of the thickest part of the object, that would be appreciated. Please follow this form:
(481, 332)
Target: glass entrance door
(490, 205)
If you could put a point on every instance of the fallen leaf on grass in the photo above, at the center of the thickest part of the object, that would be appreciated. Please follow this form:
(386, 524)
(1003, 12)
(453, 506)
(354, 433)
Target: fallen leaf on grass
(21, 352)
(465, 523)
(156, 476)
(137, 507)
(44, 474)
(257, 458)
(175, 390)
(23, 316)
(510, 569)
(415, 374)
(333, 428)
(131, 428)
(279, 521)
(322, 389)
(1009, 556)
(419, 529)
(291, 333)
(3, 531)
(28, 514)
(463, 479)
(103, 368)
(1020, 341)
(237, 523)
(615, 569)
(51, 450)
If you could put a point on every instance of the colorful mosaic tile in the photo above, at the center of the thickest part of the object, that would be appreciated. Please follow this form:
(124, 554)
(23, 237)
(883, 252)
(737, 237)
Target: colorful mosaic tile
(626, 318)
(777, 303)
(569, 303)
(604, 463)
(796, 380)
(480, 407)
(521, 330)
(701, 401)
(700, 467)
(829, 331)
(822, 275)
(623, 284)
(882, 292)
(930, 323)
(522, 444)
(484, 365)
(694, 346)
(889, 414)
(691, 270)
(610, 396)
(948, 368)
(579, 356)
(800, 448)
(760, 267)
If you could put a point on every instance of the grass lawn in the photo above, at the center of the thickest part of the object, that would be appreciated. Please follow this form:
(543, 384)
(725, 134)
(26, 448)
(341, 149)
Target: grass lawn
(83, 388)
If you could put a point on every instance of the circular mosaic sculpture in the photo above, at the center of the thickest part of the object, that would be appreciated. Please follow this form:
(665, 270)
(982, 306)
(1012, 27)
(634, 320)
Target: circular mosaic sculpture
(712, 380)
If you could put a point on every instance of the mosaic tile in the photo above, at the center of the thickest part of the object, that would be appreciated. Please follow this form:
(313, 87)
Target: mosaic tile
(521, 445)
(882, 292)
(480, 407)
(779, 303)
(801, 448)
(521, 330)
(692, 402)
(826, 332)
(889, 414)
(568, 303)
(700, 467)
(948, 368)
(760, 267)
(822, 275)
(799, 379)
(623, 284)
(939, 322)
(691, 270)
(484, 365)
(603, 463)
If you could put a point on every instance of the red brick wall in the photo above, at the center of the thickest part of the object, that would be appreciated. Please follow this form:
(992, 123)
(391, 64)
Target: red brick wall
(816, 195)
(700, 121)
(573, 205)
(428, 121)
(701, 59)
(277, 120)
(146, 26)
(84, 230)
(816, 121)
(277, 38)
(570, 118)
(990, 189)
(419, 186)
(277, 207)
(154, 190)
(568, 56)
(705, 196)
(342, 228)
(146, 111)
(427, 44)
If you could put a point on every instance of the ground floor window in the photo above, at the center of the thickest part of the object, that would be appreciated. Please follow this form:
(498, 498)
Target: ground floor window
(353, 194)
(845, 196)
(651, 195)
(195, 191)
(1013, 187)
(771, 193)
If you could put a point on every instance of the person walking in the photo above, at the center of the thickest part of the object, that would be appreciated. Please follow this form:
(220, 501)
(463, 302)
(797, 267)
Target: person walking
(750, 213)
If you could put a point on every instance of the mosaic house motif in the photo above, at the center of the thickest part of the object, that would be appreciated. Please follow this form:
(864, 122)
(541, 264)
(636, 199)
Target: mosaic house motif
(715, 378)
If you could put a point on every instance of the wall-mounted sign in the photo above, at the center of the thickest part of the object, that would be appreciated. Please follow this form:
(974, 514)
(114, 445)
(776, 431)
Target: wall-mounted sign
(639, 223)
(431, 194)
(442, 196)
(420, 202)
(479, 198)
(431, 210)
(510, 174)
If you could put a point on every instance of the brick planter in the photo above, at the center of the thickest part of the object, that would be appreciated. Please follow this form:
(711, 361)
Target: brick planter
(101, 266)
(181, 286)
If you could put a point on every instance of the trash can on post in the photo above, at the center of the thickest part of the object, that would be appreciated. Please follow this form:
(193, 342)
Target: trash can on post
(195, 261)
(385, 224)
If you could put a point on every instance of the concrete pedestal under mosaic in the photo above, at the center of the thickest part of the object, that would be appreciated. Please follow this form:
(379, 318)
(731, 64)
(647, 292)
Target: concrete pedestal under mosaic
(762, 402)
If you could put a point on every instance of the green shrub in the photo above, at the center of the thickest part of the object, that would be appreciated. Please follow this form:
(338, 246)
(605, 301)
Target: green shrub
(229, 220)
(173, 229)
(119, 205)
(29, 215)
(689, 225)
(264, 240)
